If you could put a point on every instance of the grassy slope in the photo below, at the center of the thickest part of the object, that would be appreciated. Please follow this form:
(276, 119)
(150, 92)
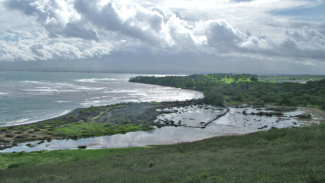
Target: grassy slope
(277, 155)
(14, 160)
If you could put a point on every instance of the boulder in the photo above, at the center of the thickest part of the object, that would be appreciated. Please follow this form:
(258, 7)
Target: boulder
(304, 116)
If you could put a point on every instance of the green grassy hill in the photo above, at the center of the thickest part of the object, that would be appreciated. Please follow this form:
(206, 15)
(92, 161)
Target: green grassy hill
(278, 155)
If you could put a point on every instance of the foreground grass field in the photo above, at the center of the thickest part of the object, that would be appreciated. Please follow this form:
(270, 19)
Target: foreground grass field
(277, 155)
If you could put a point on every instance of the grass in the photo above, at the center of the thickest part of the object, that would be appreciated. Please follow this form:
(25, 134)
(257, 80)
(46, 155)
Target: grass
(91, 129)
(278, 155)
(11, 160)
(88, 122)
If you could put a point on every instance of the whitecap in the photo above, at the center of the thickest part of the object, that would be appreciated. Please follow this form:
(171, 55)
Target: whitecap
(120, 91)
(17, 122)
(88, 88)
(41, 91)
(62, 101)
(95, 80)
(35, 82)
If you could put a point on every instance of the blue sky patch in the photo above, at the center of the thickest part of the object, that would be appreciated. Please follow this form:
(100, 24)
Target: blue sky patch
(316, 13)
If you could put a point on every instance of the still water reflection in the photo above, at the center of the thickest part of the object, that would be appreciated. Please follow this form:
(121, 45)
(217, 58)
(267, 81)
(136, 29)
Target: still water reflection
(232, 123)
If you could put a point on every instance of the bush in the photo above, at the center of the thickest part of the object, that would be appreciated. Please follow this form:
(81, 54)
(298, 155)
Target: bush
(3, 129)
(15, 165)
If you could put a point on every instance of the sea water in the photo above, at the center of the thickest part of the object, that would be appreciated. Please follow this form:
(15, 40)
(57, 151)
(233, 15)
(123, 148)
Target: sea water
(27, 97)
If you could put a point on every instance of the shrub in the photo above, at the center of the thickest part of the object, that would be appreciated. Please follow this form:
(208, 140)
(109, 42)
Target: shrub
(15, 165)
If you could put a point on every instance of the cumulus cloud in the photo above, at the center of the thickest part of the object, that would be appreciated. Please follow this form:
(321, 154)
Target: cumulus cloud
(26, 50)
(58, 17)
(72, 25)
(134, 21)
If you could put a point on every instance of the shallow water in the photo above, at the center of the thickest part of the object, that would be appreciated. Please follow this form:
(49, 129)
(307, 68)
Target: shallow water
(232, 123)
(189, 115)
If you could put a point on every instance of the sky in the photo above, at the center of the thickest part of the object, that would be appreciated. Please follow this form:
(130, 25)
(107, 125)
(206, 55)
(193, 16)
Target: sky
(164, 36)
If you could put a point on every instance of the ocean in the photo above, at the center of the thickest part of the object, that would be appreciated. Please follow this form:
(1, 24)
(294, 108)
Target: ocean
(27, 97)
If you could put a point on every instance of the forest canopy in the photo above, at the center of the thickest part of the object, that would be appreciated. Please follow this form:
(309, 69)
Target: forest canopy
(240, 88)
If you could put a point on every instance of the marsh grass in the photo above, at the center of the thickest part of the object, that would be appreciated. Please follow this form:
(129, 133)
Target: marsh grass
(91, 129)
(82, 123)
(277, 155)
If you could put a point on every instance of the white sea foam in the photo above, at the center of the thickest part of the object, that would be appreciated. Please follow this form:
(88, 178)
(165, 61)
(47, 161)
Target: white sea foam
(47, 95)
(94, 103)
(89, 88)
(64, 113)
(36, 82)
(42, 90)
(94, 98)
(120, 91)
(62, 101)
(95, 80)
(17, 122)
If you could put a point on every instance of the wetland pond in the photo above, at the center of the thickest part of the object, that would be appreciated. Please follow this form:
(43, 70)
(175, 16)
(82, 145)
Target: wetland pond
(236, 121)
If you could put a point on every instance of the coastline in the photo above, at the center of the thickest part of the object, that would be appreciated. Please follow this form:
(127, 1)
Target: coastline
(113, 140)
(88, 122)
(91, 119)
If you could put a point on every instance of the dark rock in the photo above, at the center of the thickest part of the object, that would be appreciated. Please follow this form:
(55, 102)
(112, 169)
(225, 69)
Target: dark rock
(9, 135)
(262, 127)
(304, 116)
(258, 106)
(82, 147)
(267, 114)
(281, 109)
(40, 142)
(21, 137)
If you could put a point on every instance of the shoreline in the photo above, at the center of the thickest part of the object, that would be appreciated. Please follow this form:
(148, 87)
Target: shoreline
(71, 111)
(45, 141)
(92, 119)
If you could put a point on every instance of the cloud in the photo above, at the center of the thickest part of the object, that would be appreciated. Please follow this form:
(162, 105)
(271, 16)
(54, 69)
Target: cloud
(305, 42)
(79, 29)
(32, 50)
(134, 21)
(222, 36)
(58, 17)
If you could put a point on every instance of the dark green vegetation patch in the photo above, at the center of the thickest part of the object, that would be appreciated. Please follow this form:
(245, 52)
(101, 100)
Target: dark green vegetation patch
(245, 88)
(88, 122)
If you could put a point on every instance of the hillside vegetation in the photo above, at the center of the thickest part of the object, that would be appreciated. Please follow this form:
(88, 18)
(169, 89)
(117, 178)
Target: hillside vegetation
(278, 155)
(245, 88)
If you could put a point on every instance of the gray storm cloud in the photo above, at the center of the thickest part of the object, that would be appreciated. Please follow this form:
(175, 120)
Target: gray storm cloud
(85, 29)
(51, 15)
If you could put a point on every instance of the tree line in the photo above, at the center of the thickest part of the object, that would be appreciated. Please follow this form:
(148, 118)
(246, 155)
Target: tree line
(244, 88)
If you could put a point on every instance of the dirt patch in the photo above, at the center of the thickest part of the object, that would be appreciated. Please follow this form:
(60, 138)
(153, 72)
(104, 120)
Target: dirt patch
(315, 111)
